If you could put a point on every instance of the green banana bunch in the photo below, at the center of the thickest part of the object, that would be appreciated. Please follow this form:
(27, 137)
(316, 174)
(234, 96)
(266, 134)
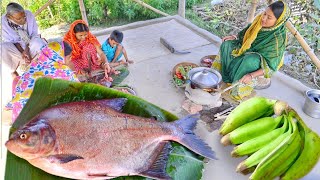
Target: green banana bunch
(309, 156)
(258, 156)
(247, 111)
(259, 142)
(251, 130)
(275, 162)
(289, 151)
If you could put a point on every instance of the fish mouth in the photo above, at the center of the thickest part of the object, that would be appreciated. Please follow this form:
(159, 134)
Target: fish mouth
(10, 146)
(8, 143)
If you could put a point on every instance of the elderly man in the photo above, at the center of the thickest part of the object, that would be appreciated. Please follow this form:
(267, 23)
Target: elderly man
(18, 27)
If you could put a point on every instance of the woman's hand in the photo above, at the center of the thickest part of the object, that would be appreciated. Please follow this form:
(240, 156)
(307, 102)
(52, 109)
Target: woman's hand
(246, 79)
(107, 68)
(106, 76)
(227, 38)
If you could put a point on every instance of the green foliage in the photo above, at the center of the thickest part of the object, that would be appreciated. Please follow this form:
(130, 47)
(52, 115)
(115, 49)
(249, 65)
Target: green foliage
(192, 164)
(98, 11)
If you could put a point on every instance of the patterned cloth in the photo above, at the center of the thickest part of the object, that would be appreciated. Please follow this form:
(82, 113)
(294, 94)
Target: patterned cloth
(50, 63)
(110, 51)
(88, 60)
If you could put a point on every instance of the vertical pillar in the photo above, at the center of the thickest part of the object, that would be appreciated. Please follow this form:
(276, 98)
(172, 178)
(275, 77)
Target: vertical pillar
(252, 11)
(83, 11)
(182, 8)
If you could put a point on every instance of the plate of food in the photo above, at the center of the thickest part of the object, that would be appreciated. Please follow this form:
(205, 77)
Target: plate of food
(180, 73)
(207, 61)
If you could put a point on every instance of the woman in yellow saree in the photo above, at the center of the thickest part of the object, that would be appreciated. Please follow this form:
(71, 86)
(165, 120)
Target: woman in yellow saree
(257, 50)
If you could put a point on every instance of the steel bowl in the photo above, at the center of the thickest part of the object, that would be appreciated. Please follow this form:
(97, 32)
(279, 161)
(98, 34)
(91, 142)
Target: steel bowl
(205, 78)
(312, 103)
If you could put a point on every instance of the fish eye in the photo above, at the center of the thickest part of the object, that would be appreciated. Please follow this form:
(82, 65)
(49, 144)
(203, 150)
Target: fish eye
(23, 136)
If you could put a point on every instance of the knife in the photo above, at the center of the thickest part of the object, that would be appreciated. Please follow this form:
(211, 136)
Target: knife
(172, 49)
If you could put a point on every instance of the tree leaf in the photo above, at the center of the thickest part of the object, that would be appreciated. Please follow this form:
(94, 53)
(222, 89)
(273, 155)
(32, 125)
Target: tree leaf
(193, 164)
(48, 92)
(117, 79)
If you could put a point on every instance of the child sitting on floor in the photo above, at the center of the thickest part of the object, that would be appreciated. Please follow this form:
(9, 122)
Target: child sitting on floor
(113, 49)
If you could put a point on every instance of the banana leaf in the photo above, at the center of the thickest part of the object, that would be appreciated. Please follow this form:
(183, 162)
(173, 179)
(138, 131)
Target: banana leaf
(117, 79)
(182, 163)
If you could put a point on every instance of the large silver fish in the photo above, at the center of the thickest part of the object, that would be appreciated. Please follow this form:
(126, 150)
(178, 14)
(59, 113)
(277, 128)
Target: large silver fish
(94, 140)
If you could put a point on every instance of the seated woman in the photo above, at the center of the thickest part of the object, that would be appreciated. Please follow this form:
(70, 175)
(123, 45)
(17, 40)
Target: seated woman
(48, 61)
(87, 55)
(256, 52)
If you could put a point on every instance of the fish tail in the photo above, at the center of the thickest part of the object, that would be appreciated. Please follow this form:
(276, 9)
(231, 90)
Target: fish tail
(190, 140)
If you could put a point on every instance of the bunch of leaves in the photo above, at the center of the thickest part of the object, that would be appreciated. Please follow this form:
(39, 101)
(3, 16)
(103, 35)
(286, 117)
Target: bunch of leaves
(4, 4)
(49, 16)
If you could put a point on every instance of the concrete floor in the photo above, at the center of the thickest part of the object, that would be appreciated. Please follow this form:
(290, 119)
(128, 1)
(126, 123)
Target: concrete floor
(150, 76)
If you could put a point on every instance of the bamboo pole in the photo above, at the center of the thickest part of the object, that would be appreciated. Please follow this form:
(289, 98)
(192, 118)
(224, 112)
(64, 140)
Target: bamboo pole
(150, 7)
(43, 7)
(83, 11)
(252, 11)
(303, 43)
(50, 12)
(182, 8)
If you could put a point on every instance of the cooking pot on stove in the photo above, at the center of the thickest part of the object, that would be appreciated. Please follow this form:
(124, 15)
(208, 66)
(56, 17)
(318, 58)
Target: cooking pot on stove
(205, 78)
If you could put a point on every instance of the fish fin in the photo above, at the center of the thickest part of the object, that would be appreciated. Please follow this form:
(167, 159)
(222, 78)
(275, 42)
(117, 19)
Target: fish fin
(63, 158)
(188, 123)
(158, 169)
(116, 103)
(190, 140)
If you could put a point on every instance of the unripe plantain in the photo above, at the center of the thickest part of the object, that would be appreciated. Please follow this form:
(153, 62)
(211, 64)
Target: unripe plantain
(254, 129)
(309, 156)
(268, 113)
(247, 111)
(278, 156)
(259, 142)
(292, 155)
(256, 157)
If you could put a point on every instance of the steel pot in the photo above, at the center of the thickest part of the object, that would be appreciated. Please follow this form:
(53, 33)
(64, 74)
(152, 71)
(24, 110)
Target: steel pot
(312, 103)
(205, 78)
